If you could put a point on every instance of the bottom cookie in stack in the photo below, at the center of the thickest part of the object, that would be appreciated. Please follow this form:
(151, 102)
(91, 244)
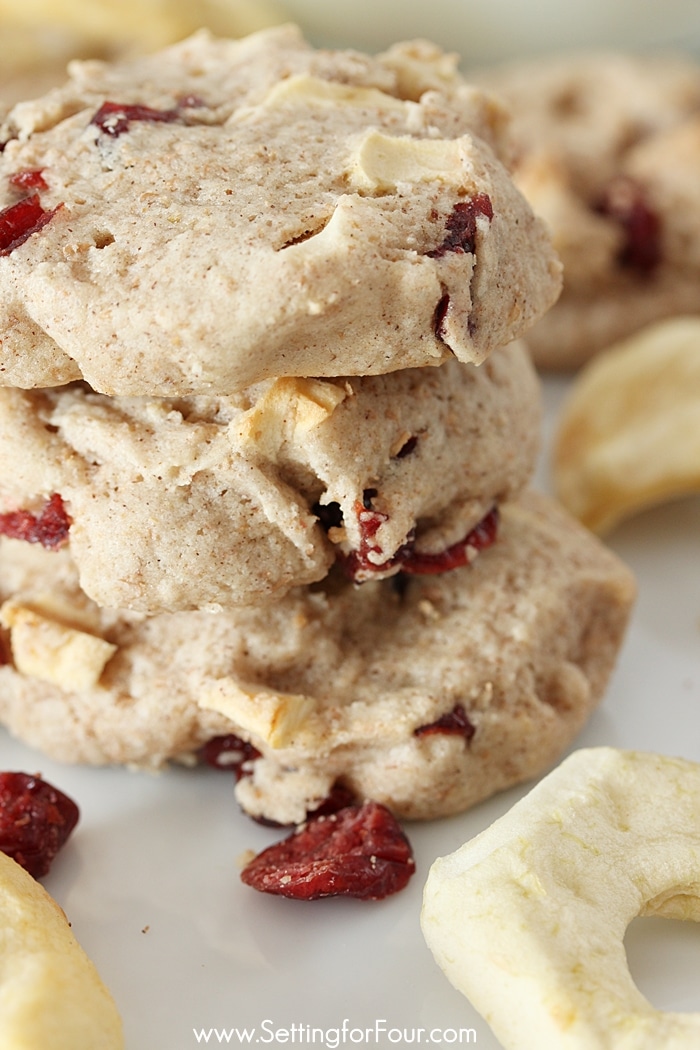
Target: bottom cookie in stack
(424, 693)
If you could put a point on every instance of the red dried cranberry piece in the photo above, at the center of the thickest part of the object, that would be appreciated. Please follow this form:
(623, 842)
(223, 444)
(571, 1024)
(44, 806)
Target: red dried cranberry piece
(459, 554)
(455, 722)
(114, 118)
(625, 202)
(360, 851)
(49, 528)
(460, 227)
(340, 797)
(407, 559)
(439, 317)
(358, 563)
(35, 821)
(29, 179)
(20, 221)
(229, 752)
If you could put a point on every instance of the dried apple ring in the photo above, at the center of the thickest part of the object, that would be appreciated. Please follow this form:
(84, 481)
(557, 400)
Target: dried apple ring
(528, 918)
(146, 23)
(50, 992)
(629, 433)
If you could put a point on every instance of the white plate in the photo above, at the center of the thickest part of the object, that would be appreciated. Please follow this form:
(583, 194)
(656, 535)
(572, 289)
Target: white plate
(150, 883)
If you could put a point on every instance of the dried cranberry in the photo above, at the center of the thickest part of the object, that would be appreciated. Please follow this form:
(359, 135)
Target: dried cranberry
(369, 521)
(460, 227)
(454, 557)
(29, 179)
(35, 821)
(49, 528)
(114, 119)
(340, 797)
(358, 561)
(455, 722)
(439, 317)
(624, 201)
(330, 515)
(407, 559)
(20, 221)
(229, 752)
(359, 851)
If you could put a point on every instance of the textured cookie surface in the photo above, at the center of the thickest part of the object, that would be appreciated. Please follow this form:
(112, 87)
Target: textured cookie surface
(201, 501)
(427, 696)
(229, 211)
(608, 148)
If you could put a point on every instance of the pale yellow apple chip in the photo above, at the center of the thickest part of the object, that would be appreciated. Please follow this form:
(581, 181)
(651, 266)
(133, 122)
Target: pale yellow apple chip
(629, 433)
(150, 23)
(41, 36)
(528, 918)
(50, 992)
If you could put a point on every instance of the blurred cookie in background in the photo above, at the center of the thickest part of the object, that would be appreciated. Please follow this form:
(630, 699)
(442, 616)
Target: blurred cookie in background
(607, 152)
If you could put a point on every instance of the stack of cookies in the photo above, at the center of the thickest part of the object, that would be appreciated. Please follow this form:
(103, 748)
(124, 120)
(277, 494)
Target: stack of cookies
(267, 431)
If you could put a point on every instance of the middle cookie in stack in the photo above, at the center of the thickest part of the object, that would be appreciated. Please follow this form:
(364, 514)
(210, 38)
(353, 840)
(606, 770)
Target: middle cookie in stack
(293, 280)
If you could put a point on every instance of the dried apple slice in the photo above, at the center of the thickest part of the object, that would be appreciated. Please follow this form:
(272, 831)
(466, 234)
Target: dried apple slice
(50, 992)
(628, 435)
(528, 919)
(149, 23)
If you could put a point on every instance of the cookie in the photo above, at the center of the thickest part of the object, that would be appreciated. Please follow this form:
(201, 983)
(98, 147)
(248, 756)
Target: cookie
(225, 212)
(608, 148)
(427, 695)
(205, 502)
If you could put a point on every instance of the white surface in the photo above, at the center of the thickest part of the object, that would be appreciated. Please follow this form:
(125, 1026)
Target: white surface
(149, 879)
(499, 29)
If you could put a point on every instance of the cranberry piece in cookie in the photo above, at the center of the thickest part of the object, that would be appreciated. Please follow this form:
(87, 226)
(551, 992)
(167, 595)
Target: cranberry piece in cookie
(49, 527)
(36, 820)
(455, 722)
(624, 201)
(457, 555)
(359, 565)
(230, 752)
(460, 228)
(19, 221)
(359, 851)
(29, 179)
(114, 118)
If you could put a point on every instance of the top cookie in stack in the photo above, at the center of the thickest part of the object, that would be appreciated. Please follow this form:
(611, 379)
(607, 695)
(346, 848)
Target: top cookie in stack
(229, 211)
